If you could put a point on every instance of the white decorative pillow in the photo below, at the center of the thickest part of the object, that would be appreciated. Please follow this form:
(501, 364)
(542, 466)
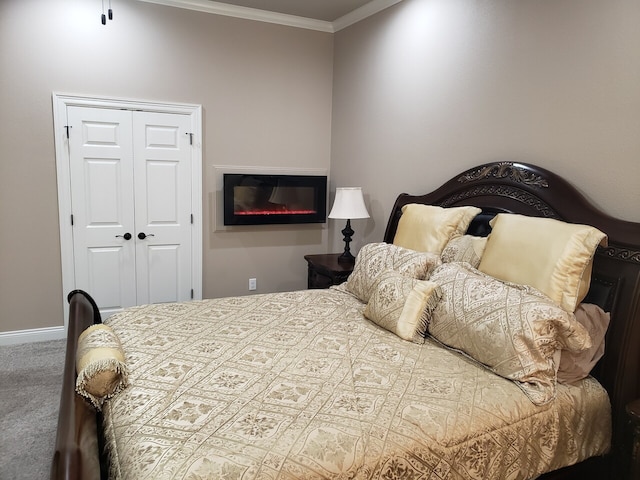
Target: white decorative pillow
(553, 256)
(402, 305)
(576, 366)
(100, 364)
(428, 228)
(464, 248)
(514, 330)
(374, 258)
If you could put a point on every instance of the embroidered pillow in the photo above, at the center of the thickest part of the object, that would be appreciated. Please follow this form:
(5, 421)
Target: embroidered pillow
(514, 330)
(402, 305)
(100, 364)
(464, 248)
(374, 258)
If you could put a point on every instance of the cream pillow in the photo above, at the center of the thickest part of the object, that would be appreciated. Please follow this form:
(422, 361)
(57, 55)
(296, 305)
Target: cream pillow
(428, 228)
(464, 248)
(100, 364)
(514, 330)
(402, 305)
(374, 258)
(553, 256)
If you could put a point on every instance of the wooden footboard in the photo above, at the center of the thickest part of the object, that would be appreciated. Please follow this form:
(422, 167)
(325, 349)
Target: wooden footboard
(77, 451)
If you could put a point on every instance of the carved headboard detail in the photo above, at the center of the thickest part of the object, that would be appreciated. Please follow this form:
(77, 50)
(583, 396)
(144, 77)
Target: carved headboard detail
(513, 171)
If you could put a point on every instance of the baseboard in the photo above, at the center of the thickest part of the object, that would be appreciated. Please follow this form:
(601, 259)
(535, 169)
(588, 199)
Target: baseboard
(32, 335)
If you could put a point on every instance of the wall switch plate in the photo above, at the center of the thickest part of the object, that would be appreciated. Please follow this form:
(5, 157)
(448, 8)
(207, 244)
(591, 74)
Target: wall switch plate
(253, 284)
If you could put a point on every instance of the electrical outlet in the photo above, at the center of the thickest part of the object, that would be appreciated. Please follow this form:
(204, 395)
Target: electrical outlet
(253, 284)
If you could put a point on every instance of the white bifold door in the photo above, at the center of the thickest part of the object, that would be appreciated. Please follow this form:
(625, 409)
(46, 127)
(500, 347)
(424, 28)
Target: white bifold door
(130, 176)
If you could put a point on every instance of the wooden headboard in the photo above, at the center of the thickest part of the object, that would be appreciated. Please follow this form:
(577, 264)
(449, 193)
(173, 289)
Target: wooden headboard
(530, 190)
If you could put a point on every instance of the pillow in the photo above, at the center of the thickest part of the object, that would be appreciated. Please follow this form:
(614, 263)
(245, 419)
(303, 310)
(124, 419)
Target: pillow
(374, 258)
(514, 330)
(553, 256)
(402, 305)
(428, 228)
(464, 248)
(100, 364)
(576, 366)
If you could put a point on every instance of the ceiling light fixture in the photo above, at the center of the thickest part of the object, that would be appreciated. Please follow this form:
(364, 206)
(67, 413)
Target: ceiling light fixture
(110, 13)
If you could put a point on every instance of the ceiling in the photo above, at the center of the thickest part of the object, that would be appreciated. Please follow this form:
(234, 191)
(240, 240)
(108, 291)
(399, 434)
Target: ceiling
(326, 10)
(323, 15)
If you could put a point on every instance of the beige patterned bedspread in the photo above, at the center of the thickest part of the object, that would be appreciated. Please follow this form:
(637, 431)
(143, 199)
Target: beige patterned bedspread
(300, 385)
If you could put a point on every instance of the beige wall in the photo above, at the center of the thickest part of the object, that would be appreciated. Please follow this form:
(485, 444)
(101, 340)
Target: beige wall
(266, 96)
(421, 91)
(429, 88)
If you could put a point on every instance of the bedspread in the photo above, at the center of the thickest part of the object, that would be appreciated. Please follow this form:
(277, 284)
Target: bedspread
(300, 385)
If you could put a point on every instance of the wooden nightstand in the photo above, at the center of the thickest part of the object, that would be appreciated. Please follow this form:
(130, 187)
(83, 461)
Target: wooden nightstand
(325, 270)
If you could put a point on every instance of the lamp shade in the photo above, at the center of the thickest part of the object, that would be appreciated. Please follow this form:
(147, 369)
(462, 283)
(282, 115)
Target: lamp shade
(348, 204)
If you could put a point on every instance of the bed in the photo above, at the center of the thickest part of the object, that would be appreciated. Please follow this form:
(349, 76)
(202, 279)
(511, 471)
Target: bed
(305, 385)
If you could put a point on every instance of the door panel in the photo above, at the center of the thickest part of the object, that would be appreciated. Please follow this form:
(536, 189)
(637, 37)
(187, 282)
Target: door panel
(101, 133)
(101, 161)
(162, 283)
(162, 193)
(105, 269)
(162, 137)
(163, 206)
(103, 195)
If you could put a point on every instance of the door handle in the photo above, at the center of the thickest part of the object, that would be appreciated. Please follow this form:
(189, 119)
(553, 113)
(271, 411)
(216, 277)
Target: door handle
(126, 236)
(143, 235)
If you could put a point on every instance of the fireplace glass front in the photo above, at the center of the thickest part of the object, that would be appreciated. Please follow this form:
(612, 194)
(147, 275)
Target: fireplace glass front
(274, 199)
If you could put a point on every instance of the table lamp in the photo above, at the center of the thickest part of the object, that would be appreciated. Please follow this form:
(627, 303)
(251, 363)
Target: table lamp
(348, 204)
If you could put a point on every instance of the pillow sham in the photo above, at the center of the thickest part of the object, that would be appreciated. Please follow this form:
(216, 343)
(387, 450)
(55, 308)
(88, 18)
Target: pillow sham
(553, 256)
(374, 258)
(428, 228)
(464, 248)
(576, 366)
(514, 330)
(402, 305)
(102, 371)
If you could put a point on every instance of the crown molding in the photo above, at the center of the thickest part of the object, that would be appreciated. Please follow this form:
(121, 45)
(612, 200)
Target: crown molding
(368, 9)
(247, 13)
(219, 8)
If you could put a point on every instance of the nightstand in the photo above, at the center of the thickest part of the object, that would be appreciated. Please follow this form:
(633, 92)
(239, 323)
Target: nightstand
(325, 270)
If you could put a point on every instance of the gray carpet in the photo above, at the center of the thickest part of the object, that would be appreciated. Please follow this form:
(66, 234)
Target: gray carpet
(30, 383)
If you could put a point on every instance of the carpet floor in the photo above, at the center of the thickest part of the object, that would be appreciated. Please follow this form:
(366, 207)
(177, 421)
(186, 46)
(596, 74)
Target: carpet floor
(30, 385)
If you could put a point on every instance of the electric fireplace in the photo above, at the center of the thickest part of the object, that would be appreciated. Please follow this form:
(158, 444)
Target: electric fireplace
(274, 199)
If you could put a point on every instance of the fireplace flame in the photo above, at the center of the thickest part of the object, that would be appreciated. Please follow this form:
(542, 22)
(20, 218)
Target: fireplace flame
(276, 212)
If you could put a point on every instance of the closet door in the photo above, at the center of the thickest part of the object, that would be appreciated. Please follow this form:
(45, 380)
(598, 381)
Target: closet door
(162, 172)
(131, 199)
(102, 198)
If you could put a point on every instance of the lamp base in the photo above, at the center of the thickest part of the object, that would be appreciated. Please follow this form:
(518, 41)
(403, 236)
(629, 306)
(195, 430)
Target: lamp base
(346, 257)
(347, 232)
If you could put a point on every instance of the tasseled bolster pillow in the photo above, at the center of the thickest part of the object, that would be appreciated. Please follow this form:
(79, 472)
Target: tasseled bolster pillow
(100, 364)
